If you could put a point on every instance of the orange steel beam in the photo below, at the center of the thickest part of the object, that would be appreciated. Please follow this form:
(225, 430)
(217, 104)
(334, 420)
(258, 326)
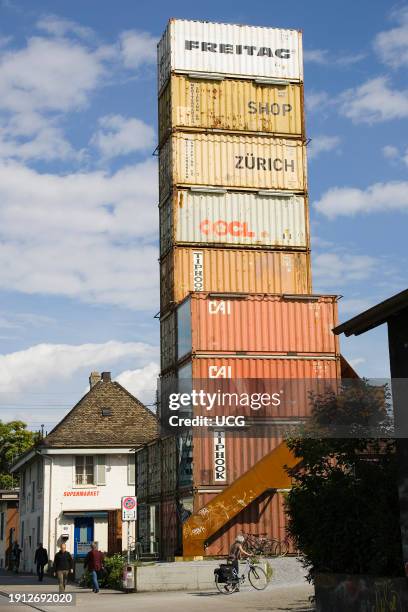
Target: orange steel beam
(268, 473)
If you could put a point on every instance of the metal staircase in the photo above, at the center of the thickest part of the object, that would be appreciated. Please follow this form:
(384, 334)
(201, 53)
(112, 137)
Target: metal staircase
(268, 473)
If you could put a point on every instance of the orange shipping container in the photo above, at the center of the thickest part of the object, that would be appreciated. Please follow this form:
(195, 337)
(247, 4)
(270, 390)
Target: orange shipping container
(233, 105)
(184, 270)
(226, 160)
(241, 452)
(170, 529)
(256, 324)
(264, 516)
(261, 367)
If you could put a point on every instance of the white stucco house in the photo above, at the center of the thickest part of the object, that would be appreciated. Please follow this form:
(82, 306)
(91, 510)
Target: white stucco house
(72, 481)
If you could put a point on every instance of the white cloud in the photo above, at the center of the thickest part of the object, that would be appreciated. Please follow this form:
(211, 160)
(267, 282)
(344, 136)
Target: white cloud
(390, 152)
(57, 72)
(89, 236)
(60, 27)
(317, 100)
(348, 201)
(31, 136)
(324, 57)
(118, 135)
(137, 48)
(142, 383)
(374, 101)
(352, 306)
(48, 75)
(322, 144)
(316, 56)
(35, 367)
(392, 45)
(336, 269)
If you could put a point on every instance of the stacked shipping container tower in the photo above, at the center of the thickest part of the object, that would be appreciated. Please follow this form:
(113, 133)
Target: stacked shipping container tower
(236, 296)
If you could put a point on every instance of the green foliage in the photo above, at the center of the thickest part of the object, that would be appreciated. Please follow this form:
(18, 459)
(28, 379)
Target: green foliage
(15, 439)
(113, 578)
(343, 508)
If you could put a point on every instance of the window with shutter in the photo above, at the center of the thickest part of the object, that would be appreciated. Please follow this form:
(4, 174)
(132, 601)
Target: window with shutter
(131, 469)
(101, 470)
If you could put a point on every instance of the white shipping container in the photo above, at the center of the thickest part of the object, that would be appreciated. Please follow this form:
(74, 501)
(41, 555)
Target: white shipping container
(226, 160)
(224, 48)
(233, 218)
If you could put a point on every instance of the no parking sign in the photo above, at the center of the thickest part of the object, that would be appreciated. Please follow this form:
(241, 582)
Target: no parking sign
(129, 508)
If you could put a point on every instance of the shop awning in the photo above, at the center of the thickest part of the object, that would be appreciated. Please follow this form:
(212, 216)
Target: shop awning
(85, 513)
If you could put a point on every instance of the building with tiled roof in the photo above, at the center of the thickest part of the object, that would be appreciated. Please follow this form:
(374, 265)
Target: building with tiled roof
(72, 481)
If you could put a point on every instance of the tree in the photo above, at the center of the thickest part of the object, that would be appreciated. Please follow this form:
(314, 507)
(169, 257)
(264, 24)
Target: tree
(343, 508)
(15, 439)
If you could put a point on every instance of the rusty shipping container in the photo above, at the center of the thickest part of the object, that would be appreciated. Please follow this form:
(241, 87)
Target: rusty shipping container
(250, 323)
(184, 270)
(264, 516)
(169, 466)
(239, 454)
(142, 463)
(224, 48)
(256, 324)
(238, 219)
(170, 530)
(235, 106)
(260, 367)
(156, 469)
(226, 160)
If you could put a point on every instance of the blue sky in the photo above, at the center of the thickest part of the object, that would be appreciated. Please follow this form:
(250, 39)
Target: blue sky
(78, 184)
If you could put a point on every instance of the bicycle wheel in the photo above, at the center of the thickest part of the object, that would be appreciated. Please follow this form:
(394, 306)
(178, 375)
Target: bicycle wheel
(226, 588)
(257, 577)
(284, 548)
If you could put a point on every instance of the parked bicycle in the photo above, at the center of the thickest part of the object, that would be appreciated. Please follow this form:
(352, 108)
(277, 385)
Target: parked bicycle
(228, 580)
(259, 544)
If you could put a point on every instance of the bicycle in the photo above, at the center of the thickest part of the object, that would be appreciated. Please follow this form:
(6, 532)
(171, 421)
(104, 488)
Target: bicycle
(230, 584)
(279, 548)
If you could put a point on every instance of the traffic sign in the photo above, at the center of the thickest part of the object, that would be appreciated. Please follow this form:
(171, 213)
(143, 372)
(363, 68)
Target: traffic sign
(129, 508)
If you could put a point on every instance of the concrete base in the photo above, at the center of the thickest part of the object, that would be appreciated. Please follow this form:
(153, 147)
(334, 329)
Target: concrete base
(199, 575)
(347, 593)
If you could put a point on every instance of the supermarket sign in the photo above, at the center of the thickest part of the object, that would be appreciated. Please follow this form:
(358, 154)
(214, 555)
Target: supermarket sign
(129, 508)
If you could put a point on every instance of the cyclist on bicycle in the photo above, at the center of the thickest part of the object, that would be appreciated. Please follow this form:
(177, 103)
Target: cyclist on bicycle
(236, 553)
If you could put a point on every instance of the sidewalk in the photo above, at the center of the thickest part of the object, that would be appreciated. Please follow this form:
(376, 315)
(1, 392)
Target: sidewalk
(291, 598)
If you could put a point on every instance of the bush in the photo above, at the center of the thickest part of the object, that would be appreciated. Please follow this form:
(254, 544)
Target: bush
(113, 578)
(343, 508)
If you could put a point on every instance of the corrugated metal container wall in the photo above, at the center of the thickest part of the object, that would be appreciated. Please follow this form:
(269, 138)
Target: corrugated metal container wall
(299, 368)
(225, 48)
(241, 454)
(231, 271)
(143, 525)
(261, 324)
(265, 515)
(154, 468)
(142, 461)
(236, 219)
(230, 105)
(169, 466)
(225, 160)
(169, 526)
(168, 340)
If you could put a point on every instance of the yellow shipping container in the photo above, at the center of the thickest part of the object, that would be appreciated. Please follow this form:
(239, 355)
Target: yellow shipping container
(231, 271)
(248, 106)
(226, 160)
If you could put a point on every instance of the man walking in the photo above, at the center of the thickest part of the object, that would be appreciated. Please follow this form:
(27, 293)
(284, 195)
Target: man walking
(41, 560)
(63, 565)
(94, 563)
(16, 556)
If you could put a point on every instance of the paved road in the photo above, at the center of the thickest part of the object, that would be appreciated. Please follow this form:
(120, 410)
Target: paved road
(291, 598)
